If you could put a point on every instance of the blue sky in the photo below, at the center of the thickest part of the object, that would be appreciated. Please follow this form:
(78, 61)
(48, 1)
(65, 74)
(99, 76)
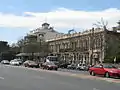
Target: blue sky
(17, 9)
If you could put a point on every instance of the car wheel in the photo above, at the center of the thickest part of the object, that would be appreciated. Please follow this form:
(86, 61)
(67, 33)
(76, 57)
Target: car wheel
(92, 73)
(56, 69)
(43, 68)
(26, 65)
(107, 75)
(48, 68)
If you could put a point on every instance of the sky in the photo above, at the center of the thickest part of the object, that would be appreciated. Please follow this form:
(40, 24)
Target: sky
(18, 17)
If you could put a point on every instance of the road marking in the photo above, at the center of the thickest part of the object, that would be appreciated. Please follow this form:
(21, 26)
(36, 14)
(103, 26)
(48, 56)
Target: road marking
(1, 78)
(39, 77)
(73, 75)
(95, 89)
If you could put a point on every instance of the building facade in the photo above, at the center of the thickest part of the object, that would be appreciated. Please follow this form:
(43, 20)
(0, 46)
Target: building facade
(88, 47)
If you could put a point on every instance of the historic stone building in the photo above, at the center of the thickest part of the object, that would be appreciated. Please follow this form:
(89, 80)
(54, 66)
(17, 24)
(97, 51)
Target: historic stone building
(35, 41)
(87, 47)
(43, 33)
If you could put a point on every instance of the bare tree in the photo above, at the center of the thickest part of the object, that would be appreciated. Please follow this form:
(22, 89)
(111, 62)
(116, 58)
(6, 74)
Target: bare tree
(101, 24)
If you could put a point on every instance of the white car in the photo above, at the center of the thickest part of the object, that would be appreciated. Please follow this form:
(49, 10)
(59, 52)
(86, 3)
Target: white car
(5, 62)
(14, 62)
(81, 67)
(19, 60)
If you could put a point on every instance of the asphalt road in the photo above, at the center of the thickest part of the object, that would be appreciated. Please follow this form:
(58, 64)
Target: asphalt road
(17, 78)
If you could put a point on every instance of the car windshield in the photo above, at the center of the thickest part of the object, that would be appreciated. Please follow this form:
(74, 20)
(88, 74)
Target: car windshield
(15, 61)
(109, 66)
(19, 60)
(52, 58)
(51, 64)
(6, 61)
(31, 62)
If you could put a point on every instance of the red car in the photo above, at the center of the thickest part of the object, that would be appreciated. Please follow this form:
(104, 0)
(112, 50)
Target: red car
(106, 70)
(50, 66)
(32, 64)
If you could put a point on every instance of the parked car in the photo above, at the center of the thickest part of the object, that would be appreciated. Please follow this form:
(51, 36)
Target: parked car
(20, 61)
(81, 67)
(5, 62)
(106, 70)
(63, 65)
(50, 66)
(72, 66)
(14, 62)
(30, 63)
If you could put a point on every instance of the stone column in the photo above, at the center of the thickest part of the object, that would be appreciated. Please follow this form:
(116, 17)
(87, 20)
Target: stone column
(73, 58)
(84, 59)
(90, 56)
(77, 59)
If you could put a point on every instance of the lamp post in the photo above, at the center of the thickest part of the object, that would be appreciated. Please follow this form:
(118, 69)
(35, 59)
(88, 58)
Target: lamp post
(32, 55)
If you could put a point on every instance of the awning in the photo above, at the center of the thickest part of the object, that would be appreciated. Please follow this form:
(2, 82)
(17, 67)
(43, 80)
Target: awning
(23, 54)
(31, 54)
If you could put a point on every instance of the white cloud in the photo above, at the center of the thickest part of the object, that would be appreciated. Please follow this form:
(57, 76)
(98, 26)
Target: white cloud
(60, 18)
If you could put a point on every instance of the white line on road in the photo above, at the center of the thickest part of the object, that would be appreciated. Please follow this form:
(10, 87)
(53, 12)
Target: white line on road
(95, 89)
(1, 78)
(39, 77)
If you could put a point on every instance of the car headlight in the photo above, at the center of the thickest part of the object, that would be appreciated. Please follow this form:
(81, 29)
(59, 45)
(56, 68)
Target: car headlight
(111, 71)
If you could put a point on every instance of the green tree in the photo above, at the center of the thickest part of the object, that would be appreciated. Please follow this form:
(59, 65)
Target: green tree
(7, 55)
(4, 46)
(113, 48)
